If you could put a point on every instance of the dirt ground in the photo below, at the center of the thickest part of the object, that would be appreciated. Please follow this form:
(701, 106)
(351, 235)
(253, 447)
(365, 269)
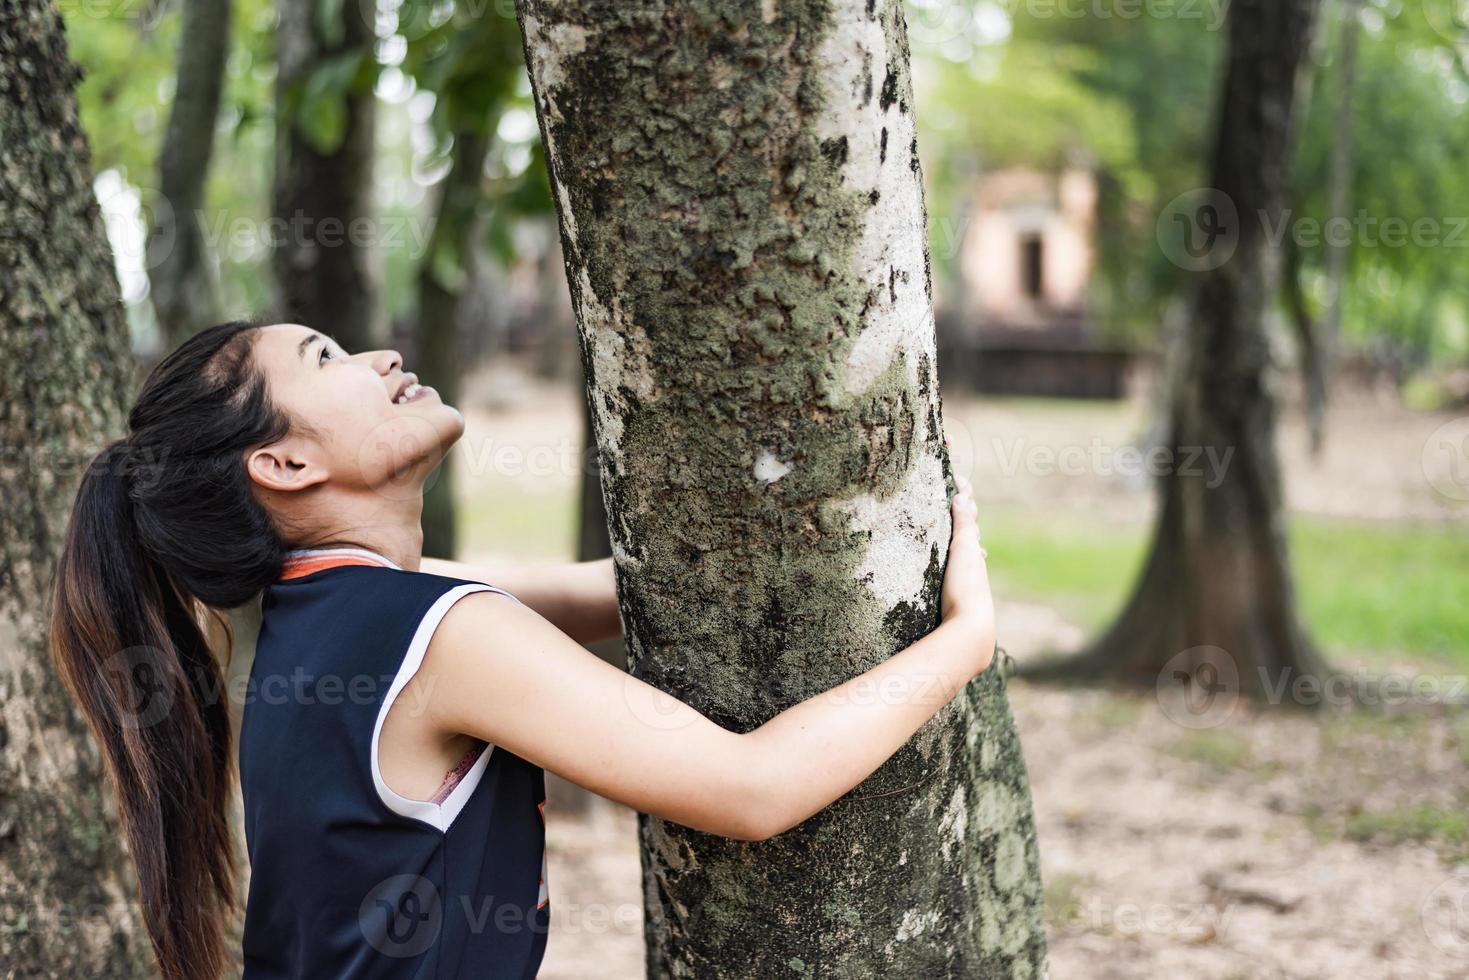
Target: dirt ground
(1163, 854)
(1258, 846)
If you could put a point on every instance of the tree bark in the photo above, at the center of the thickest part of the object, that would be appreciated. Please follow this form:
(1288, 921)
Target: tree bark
(742, 217)
(183, 284)
(326, 277)
(1216, 593)
(67, 896)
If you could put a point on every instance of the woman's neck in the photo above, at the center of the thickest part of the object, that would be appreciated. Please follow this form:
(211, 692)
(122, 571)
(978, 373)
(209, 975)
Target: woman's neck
(388, 527)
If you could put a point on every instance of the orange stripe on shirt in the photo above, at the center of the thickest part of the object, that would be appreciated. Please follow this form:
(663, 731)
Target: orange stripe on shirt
(297, 567)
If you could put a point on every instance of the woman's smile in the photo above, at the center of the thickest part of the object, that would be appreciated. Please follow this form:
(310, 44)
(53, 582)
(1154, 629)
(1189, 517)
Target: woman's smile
(414, 392)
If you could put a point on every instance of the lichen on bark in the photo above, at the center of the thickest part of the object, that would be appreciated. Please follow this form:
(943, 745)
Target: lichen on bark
(743, 223)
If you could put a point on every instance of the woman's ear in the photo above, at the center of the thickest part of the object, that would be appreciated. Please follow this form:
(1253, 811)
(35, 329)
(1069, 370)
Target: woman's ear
(285, 466)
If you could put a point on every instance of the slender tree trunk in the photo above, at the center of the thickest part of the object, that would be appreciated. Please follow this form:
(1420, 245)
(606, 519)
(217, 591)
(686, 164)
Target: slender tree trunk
(592, 542)
(742, 216)
(326, 224)
(67, 897)
(183, 285)
(1343, 155)
(456, 233)
(557, 358)
(1217, 588)
(1309, 344)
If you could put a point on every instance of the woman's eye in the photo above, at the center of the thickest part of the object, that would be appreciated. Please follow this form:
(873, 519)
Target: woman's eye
(324, 352)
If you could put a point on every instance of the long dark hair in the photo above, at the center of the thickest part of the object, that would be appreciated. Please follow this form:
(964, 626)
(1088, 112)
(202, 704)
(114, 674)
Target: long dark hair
(164, 532)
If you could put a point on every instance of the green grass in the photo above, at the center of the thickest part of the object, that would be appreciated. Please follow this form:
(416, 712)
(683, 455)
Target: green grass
(1081, 569)
(1421, 823)
(1385, 586)
(1064, 893)
(505, 520)
(1363, 586)
(1221, 750)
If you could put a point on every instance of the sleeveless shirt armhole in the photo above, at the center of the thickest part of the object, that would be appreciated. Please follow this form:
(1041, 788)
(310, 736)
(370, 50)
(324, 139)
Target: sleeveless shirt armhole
(438, 815)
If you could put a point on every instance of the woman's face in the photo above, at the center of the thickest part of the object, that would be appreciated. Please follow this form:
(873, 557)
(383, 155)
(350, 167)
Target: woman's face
(356, 433)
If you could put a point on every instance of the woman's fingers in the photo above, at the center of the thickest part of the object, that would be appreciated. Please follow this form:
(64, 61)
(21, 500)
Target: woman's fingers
(965, 517)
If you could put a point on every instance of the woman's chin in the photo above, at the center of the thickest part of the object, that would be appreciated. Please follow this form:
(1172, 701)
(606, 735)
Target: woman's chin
(455, 420)
(404, 446)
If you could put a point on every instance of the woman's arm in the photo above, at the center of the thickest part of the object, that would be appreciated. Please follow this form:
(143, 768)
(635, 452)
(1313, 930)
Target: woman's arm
(578, 598)
(551, 702)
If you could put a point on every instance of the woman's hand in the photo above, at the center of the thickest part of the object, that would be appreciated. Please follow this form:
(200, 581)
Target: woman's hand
(965, 601)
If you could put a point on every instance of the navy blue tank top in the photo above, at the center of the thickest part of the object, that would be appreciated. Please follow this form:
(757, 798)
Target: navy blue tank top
(347, 878)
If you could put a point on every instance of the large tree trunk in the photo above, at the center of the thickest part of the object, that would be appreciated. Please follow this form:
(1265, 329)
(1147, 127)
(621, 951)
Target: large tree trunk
(325, 114)
(183, 285)
(742, 216)
(1216, 599)
(67, 897)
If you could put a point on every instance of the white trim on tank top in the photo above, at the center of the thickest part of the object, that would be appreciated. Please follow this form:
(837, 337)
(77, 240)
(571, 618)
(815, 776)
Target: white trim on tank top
(439, 815)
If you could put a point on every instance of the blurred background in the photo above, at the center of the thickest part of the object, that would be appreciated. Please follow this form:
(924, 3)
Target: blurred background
(1058, 138)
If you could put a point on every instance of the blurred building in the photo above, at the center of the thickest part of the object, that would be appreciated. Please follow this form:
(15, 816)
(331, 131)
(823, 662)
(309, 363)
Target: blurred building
(1019, 320)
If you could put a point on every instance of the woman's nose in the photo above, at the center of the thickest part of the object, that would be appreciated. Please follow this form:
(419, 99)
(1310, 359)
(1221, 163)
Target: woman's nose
(385, 361)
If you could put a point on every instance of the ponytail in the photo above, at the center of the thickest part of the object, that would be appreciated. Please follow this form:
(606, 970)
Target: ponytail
(164, 531)
(130, 648)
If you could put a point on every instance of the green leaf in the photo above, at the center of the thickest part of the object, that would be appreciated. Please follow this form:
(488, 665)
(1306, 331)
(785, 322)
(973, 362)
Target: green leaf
(446, 265)
(321, 114)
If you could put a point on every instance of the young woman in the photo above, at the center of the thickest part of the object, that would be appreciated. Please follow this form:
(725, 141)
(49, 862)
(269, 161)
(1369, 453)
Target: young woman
(265, 462)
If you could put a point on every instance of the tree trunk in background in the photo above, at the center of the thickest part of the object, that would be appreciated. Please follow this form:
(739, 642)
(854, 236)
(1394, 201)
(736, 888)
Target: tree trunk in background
(183, 285)
(1216, 598)
(67, 896)
(592, 542)
(557, 358)
(1309, 347)
(1338, 254)
(440, 362)
(326, 223)
(742, 216)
